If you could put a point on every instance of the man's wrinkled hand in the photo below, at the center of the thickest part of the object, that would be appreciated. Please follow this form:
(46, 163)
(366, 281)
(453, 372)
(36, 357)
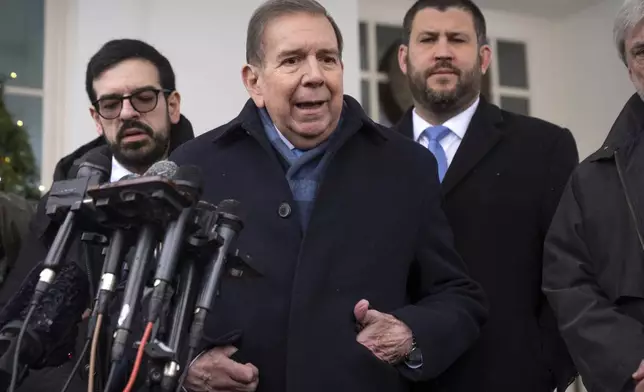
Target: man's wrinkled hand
(214, 371)
(638, 376)
(385, 336)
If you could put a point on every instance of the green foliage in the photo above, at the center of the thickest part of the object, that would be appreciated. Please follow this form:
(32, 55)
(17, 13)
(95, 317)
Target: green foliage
(18, 172)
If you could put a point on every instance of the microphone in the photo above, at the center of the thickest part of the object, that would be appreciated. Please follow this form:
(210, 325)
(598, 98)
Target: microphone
(189, 179)
(113, 261)
(95, 167)
(143, 253)
(49, 332)
(228, 227)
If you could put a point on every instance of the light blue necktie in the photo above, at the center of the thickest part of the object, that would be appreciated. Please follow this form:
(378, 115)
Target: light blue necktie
(435, 134)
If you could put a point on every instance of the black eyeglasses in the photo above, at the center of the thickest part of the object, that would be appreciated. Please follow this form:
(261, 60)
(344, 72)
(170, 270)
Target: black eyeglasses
(143, 101)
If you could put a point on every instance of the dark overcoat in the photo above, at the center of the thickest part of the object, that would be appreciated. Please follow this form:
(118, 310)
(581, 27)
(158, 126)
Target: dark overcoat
(594, 258)
(377, 231)
(501, 191)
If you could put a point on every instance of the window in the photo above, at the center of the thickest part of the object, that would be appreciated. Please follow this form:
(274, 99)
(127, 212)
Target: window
(512, 71)
(22, 25)
(385, 93)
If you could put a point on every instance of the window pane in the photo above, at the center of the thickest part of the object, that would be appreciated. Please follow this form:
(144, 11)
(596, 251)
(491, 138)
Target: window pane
(394, 102)
(364, 91)
(364, 44)
(22, 24)
(516, 105)
(513, 68)
(28, 110)
(388, 39)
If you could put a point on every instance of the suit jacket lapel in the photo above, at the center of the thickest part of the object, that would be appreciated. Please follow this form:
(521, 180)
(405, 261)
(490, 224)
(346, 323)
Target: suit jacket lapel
(406, 124)
(481, 136)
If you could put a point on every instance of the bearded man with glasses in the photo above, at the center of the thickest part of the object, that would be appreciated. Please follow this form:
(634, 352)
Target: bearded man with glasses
(136, 109)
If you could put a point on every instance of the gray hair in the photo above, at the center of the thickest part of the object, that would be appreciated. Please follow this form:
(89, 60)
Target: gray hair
(273, 9)
(629, 15)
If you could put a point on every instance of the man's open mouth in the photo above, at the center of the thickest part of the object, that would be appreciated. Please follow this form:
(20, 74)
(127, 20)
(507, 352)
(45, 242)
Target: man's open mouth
(310, 104)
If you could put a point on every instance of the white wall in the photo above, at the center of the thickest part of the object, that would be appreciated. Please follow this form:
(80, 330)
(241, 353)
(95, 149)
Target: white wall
(203, 39)
(593, 82)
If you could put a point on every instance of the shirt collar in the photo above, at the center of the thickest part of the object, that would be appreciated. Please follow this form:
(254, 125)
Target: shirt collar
(284, 139)
(118, 171)
(457, 124)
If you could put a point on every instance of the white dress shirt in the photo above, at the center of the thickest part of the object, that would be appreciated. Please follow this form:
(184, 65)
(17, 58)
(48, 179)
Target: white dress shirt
(118, 171)
(457, 124)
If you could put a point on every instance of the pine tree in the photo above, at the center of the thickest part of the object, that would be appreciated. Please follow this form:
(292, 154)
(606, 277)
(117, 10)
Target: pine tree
(18, 173)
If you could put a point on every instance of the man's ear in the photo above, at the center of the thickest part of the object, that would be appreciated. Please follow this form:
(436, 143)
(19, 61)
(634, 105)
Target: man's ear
(174, 106)
(403, 52)
(486, 58)
(97, 120)
(251, 77)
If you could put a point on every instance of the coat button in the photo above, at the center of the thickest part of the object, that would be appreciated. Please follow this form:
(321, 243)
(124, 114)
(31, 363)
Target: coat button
(285, 210)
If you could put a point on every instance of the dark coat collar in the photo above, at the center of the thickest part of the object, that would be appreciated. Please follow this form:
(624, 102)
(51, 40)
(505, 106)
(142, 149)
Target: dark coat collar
(248, 121)
(625, 130)
(483, 133)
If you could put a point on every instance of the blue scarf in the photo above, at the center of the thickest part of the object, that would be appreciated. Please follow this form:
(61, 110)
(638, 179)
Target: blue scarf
(305, 168)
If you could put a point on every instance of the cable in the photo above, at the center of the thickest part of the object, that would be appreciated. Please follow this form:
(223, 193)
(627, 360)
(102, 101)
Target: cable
(92, 357)
(139, 357)
(110, 378)
(184, 373)
(76, 366)
(16, 354)
(97, 327)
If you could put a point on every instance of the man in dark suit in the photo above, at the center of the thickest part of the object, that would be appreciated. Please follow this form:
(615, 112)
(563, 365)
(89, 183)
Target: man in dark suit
(502, 175)
(353, 283)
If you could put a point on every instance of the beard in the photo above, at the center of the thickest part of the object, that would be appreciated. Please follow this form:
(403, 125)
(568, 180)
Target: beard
(446, 102)
(140, 154)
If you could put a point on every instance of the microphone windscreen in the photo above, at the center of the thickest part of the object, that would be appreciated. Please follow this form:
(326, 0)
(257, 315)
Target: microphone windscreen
(189, 176)
(229, 206)
(163, 168)
(129, 176)
(57, 313)
(94, 162)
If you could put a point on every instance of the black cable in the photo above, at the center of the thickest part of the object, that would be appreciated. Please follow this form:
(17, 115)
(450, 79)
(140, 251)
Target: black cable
(184, 373)
(110, 378)
(92, 305)
(76, 366)
(90, 272)
(16, 354)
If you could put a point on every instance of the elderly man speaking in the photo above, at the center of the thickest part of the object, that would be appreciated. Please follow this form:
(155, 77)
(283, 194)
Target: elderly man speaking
(353, 284)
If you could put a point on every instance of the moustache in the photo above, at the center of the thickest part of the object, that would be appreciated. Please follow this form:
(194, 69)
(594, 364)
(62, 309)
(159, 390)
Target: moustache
(442, 66)
(133, 124)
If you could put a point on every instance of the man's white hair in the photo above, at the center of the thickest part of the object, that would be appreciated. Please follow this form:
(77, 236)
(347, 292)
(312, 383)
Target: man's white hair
(629, 15)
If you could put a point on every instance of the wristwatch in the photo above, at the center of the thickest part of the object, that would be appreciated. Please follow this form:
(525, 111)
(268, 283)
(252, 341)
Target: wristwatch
(414, 359)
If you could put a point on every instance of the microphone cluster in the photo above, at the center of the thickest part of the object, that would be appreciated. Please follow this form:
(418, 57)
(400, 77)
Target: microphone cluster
(155, 226)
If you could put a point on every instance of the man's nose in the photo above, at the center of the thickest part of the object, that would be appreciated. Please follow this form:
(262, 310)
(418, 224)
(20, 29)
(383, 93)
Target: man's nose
(128, 111)
(443, 50)
(313, 74)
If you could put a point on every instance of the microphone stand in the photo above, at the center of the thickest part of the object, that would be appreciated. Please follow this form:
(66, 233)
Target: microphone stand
(165, 359)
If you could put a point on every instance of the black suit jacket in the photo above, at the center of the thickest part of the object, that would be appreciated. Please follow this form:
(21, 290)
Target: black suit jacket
(501, 191)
